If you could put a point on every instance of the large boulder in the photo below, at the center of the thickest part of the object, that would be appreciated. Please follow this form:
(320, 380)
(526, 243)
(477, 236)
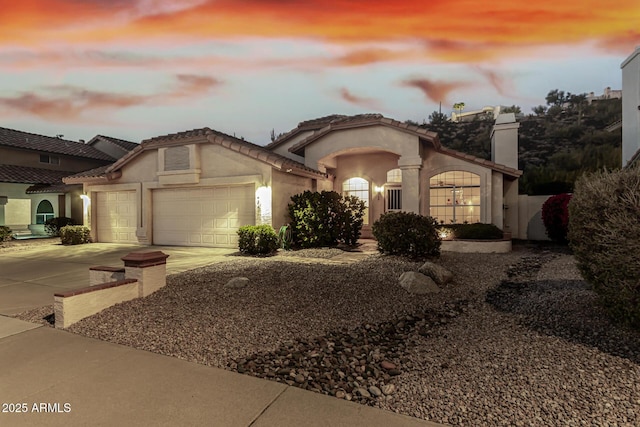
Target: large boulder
(438, 273)
(418, 283)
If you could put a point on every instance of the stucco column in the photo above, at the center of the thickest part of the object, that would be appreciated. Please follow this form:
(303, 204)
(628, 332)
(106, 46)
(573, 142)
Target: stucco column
(410, 167)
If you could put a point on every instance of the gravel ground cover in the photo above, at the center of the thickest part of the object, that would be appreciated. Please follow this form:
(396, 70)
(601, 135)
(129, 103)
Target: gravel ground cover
(516, 339)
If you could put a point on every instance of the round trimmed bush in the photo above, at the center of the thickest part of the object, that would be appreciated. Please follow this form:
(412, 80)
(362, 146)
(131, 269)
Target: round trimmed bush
(257, 239)
(555, 216)
(604, 233)
(407, 234)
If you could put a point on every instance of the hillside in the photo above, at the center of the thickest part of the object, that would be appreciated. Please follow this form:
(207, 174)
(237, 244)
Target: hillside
(556, 145)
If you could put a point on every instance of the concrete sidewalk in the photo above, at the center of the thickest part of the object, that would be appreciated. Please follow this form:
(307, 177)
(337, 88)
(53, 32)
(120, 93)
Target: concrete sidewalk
(62, 379)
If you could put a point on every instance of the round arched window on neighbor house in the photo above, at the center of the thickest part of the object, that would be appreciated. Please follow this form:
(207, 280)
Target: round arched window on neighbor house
(44, 212)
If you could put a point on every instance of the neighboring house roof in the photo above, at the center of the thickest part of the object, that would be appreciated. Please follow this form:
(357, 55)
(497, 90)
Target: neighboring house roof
(47, 144)
(53, 188)
(347, 122)
(29, 175)
(197, 136)
(126, 145)
(305, 126)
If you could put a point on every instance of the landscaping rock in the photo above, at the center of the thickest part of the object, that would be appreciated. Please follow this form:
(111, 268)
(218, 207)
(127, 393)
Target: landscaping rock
(418, 283)
(388, 389)
(438, 273)
(237, 283)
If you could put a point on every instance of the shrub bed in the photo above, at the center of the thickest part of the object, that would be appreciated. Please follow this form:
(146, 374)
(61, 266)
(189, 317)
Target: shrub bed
(75, 235)
(407, 234)
(604, 233)
(257, 239)
(476, 231)
(5, 233)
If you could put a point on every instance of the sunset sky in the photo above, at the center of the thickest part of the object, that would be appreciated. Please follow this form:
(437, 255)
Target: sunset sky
(135, 69)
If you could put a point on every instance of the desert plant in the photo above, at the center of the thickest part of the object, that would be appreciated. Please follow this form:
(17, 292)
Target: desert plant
(75, 235)
(5, 233)
(52, 226)
(604, 214)
(407, 234)
(477, 231)
(257, 239)
(325, 218)
(555, 216)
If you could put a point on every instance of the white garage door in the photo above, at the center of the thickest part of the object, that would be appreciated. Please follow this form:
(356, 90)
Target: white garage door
(117, 215)
(202, 216)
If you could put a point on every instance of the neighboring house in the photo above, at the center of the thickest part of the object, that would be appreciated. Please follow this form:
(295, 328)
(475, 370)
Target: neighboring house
(198, 187)
(631, 108)
(468, 116)
(31, 171)
(607, 93)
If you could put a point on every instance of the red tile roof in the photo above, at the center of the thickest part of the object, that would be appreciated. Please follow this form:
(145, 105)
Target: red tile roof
(28, 175)
(48, 144)
(346, 122)
(127, 145)
(53, 188)
(199, 136)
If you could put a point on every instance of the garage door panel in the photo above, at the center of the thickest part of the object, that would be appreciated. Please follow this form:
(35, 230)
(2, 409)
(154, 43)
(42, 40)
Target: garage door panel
(202, 216)
(116, 217)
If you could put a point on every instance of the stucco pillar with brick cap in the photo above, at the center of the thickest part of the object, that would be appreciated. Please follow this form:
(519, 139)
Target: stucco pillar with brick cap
(148, 268)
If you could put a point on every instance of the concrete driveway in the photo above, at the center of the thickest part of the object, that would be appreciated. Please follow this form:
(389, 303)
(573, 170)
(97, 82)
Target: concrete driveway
(30, 276)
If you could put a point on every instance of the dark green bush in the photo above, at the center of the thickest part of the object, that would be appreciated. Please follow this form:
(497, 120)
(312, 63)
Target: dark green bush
(325, 218)
(555, 216)
(5, 233)
(75, 235)
(604, 233)
(477, 231)
(53, 225)
(257, 239)
(407, 234)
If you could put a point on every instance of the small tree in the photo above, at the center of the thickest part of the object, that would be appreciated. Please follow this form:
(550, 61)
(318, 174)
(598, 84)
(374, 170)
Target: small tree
(555, 216)
(325, 218)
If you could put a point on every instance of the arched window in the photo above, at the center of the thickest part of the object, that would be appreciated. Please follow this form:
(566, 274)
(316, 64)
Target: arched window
(455, 197)
(394, 176)
(358, 187)
(44, 212)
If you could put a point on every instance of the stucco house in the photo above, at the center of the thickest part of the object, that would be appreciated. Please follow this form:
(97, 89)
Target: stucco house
(31, 170)
(631, 108)
(198, 187)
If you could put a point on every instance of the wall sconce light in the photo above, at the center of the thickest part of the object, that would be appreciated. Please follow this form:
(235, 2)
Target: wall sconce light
(378, 190)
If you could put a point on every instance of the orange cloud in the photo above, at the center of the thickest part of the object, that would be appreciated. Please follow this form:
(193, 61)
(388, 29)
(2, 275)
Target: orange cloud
(67, 102)
(436, 91)
(452, 30)
(360, 101)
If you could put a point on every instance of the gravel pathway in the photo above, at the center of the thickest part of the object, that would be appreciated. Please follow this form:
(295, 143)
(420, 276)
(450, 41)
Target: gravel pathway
(516, 339)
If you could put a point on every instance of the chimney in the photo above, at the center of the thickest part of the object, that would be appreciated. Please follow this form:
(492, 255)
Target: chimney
(504, 140)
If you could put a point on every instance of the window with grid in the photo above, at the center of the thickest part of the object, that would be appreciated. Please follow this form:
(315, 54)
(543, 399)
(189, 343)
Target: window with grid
(455, 197)
(358, 187)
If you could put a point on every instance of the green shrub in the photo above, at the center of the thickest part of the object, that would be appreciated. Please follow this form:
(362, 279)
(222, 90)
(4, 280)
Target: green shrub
(75, 235)
(477, 231)
(325, 218)
(5, 233)
(604, 233)
(52, 226)
(257, 239)
(407, 234)
(555, 216)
